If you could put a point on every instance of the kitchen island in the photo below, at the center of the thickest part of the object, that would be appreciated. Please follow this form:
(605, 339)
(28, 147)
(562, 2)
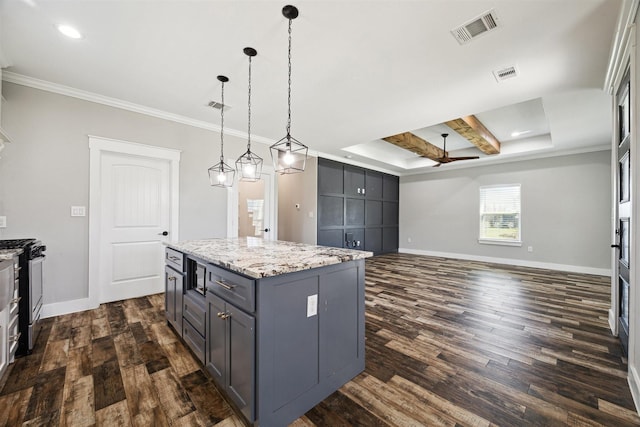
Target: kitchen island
(279, 325)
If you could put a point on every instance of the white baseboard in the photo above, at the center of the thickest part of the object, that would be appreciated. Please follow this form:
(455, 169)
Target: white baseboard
(509, 261)
(613, 324)
(634, 386)
(66, 307)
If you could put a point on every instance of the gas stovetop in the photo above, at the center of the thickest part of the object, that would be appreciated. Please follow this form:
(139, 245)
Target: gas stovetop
(16, 243)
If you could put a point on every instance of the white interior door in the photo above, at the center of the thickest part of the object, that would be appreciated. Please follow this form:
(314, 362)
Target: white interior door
(135, 212)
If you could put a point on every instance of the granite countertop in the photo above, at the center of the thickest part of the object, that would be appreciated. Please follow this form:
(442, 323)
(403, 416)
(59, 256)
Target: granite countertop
(9, 253)
(255, 257)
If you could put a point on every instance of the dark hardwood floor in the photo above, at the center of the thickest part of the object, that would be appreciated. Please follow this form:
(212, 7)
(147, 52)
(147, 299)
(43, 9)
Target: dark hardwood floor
(448, 343)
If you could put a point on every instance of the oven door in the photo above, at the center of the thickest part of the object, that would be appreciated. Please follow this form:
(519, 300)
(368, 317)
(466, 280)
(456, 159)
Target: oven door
(36, 278)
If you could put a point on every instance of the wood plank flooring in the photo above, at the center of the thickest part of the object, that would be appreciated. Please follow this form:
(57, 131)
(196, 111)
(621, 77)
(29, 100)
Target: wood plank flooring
(448, 343)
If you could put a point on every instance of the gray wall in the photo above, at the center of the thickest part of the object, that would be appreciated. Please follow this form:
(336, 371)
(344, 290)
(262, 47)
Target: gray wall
(566, 214)
(46, 170)
(295, 225)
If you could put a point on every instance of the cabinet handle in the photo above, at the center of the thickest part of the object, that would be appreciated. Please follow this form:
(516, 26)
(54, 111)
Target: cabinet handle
(224, 315)
(172, 278)
(174, 258)
(15, 300)
(15, 338)
(225, 285)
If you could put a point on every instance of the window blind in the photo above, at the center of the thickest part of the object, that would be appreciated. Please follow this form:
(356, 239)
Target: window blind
(500, 213)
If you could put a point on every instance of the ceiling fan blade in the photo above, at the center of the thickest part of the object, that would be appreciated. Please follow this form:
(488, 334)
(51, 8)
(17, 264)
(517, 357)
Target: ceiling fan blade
(453, 159)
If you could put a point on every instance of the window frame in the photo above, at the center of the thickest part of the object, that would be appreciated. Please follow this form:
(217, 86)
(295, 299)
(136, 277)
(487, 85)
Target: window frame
(499, 241)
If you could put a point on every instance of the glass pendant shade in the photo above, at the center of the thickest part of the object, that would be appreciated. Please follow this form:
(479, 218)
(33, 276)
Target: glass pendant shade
(289, 155)
(221, 174)
(249, 165)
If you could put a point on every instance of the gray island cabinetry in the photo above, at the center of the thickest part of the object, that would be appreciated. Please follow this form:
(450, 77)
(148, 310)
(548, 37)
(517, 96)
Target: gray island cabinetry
(278, 325)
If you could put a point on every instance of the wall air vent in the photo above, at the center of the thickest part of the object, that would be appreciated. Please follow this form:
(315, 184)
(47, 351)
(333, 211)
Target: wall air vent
(505, 74)
(476, 27)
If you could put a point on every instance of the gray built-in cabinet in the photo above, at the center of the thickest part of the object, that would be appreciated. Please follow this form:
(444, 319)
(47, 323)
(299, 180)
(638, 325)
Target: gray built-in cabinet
(357, 208)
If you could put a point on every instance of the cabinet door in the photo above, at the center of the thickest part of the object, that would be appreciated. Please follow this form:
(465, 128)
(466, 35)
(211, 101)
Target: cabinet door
(173, 298)
(373, 185)
(373, 240)
(241, 359)
(354, 212)
(373, 212)
(390, 187)
(353, 181)
(216, 338)
(330, 177)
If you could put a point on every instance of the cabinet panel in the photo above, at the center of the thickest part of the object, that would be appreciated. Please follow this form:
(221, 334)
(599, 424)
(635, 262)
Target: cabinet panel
(216, 338)
(194, 340)
(390, 239)
(194, 310)
(296, 369)
(333, 238)
(373, 212)
(390, 213)
(338, 331)
(330, 211)
(373, 240)
(373, 184)
(330, 177)
(390, 187)
(241, 359)
(173, 297)
(354, 212)
(353, 180)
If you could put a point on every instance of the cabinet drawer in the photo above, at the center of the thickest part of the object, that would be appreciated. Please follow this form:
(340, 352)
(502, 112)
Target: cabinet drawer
(194, 340)
(233, 287)
(194, 310)
(174, 259)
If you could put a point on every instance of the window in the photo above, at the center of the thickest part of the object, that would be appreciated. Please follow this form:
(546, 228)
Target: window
(500, 214)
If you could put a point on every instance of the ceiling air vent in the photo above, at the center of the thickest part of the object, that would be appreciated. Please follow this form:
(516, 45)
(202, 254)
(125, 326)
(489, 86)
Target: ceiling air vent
(505, 73)
(476, 27)
(217, 105)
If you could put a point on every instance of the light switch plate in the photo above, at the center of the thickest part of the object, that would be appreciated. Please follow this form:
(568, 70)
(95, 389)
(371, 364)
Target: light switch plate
(3, 222)
(312, 305)
(78, 211)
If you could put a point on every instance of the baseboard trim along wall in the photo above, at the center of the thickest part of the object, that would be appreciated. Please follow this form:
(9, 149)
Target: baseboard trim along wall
(509, 261)
(66, 307)
(634, 384)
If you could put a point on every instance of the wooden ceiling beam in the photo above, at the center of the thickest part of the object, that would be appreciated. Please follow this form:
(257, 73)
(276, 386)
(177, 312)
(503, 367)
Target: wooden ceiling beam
(470, 128)
(414, 143)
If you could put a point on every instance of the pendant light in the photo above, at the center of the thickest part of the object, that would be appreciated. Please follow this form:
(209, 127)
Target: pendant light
(249, 165)
(221, 174)
(289, 155)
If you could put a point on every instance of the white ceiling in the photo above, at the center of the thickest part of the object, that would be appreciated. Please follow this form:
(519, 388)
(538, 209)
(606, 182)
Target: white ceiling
(362, 70)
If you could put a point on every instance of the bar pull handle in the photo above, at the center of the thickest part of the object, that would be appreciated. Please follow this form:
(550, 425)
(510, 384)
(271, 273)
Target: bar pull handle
(225, 285)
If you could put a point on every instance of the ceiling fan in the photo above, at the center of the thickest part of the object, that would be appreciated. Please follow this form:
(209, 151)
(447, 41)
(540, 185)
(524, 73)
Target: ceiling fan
(445, 158)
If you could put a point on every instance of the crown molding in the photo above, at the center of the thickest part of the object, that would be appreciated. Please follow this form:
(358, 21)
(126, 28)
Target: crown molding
(47, 86)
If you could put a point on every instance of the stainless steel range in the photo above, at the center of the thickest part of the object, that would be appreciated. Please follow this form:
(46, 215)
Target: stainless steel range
(31, 274)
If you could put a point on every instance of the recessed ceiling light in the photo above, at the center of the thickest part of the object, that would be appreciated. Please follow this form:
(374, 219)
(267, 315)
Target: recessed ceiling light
(520, 133)
(69, 31)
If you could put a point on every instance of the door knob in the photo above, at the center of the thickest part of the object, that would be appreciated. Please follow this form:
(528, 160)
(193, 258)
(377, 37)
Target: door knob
(266, 230)
(615, 246)
(164, 233)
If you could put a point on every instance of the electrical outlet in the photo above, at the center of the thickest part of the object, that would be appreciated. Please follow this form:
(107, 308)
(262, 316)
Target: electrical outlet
(3, 222)
(530, 248)
(312, 305)
(78, 211)
(409, 239)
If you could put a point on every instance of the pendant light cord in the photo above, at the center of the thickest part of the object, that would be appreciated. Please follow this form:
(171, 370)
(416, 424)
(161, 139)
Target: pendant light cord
(289, 94)
(222, 126)
(249, 110)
